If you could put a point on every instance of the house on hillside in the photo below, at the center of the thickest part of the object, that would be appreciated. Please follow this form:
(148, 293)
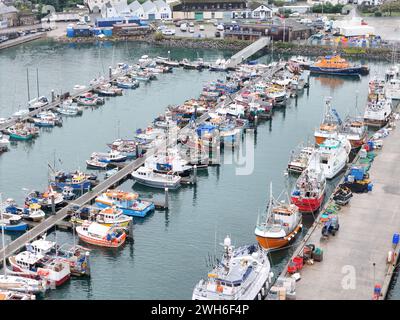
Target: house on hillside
(136, 9)
(163, 10)
(150, 11)
(8, 16)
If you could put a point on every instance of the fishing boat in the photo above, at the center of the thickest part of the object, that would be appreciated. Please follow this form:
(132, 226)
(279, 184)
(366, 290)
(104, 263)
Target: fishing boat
(46, 199)
(243, 273)
(333, 155)
(279, 226)
(76, 180)
(167, 62)
(126, 147)
(21, 284)
(109, 217)
(146, 176)
(68, 109)
(44, 122)
(309, 190)
(128, 202)
(37, 103)
(378, 112)
(109, 157)
(14, 295)
(355, 130)
(68, 193)
(107, 90)
(330, 124)
(392, 89)
(302, 61)
(127, 83)
(20, 114)
(4, 143)
(219, 65)
(12, 222)
(20, 132)
(75, 255)
(299, 161)
(100, 235)
(32, 212)
(336, 65)
(169, 162)
(90, 100)
(96, 164)
(56, 271)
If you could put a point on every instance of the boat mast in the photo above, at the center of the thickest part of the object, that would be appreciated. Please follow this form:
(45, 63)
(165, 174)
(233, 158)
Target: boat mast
(37, 81)
(270, 203)
(27, 82)
(2, 236)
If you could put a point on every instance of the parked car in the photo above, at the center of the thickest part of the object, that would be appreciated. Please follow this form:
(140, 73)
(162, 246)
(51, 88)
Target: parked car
(179, 23)
(218, 34)
(183, 27)
(161, 28)
(191, 24)
(168, 32)
(191, 29)
(294, 14)
(201, 27)
(220, 27)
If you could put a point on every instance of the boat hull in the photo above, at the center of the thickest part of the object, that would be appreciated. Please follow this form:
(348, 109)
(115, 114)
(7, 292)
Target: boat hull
(14, 136)
(102, 243)
(156, 184)
(354, 71)
(128, 211)
(76, 186)
(274, 243)
(17, 227)
(308, 204)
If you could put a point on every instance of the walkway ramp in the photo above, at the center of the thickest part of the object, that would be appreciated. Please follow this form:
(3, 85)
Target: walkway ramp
(248, 51)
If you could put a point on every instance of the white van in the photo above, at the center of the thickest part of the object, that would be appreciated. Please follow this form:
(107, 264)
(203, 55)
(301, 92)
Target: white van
(220, 27)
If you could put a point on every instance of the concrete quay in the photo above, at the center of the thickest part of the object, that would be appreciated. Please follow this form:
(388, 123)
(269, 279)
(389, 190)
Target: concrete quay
(355, 260)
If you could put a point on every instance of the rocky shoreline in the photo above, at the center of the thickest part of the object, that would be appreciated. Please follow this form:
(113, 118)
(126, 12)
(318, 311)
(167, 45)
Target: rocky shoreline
(383, 54)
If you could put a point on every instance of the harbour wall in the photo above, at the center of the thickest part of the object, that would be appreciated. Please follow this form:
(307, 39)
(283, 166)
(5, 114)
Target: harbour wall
(232, 44)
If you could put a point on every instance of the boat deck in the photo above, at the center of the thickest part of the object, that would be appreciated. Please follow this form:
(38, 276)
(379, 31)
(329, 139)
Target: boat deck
(367, 225)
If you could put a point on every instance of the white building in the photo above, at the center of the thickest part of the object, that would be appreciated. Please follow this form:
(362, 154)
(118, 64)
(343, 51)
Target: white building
(136, 9)
(163, 10)
(260, 11)
(150, 11)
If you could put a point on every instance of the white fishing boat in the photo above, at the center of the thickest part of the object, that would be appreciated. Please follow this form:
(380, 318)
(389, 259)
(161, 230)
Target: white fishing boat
(169, 162)
(299, 161)
(4, 143)
(392, 89)
(146, 176)
(378, 112)
(56, 271)
(355, 130)
(13, 295)
(333, 155)
(37, 103)
(243, 273)
(101, 235)
(96, 164)
(75, 255)
(109, 157)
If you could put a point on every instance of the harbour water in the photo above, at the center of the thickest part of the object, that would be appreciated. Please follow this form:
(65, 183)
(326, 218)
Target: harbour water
(170, 250)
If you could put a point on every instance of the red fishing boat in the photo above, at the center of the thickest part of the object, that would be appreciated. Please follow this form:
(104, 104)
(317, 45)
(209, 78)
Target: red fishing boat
(309, 190)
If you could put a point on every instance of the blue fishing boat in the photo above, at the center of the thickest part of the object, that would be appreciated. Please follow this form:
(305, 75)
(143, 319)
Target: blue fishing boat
(128, 202)
(77, 180)
(12, 222)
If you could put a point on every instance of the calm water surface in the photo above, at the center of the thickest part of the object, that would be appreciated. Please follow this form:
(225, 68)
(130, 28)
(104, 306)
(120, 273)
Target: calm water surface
(169, 251)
